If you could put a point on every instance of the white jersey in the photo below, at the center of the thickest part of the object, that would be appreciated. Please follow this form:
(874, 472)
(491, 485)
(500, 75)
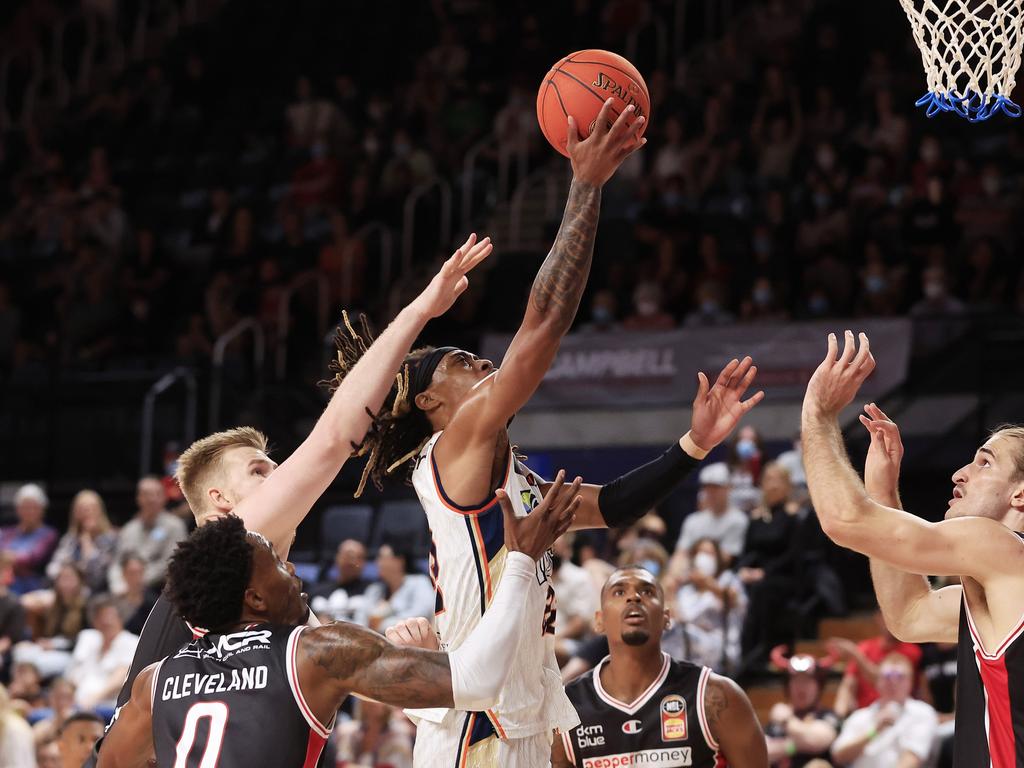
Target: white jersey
(467, 557)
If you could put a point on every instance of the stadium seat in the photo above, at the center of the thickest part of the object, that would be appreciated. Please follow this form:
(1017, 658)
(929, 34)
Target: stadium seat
(402, 522)
(353, 521)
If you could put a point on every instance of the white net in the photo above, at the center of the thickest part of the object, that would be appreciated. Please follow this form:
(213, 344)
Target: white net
(971, 51)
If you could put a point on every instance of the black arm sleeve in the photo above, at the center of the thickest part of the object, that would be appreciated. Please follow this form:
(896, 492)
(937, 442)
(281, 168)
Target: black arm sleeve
(626, 499)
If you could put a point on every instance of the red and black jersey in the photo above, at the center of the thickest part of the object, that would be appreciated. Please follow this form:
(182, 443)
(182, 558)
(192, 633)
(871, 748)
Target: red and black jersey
(233, 700)
(989, 699)
(664, 728)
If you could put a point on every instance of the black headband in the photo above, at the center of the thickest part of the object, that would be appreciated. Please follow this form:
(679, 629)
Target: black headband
(422, 373)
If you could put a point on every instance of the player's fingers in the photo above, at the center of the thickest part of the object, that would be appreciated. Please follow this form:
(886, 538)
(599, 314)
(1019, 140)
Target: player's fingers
(551, 497)
(572, 135)
(506, 505)
(566, 493)
(702, 386)
(420, 628)
(460, 287)
(863, 352)
(849, 349)
(879, 413)
(622, 125)
(726, 374)
(604, 118)
(482, 250)
(833, 349)
(631, 145)
(565, 522)
(470, 242)
(747, 380)
(753, 400)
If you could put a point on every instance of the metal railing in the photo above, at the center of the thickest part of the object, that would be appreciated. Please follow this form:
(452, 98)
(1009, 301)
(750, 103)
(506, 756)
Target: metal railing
(469, 178)
(409, 217)
(284, 313)
(386, 241)
(220, 347)
(509, 154)
(162, 384)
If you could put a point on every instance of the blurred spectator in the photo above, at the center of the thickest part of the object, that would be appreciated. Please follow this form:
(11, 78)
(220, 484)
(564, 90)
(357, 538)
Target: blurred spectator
(30, 541)
(12, 614)
(101, 657)
(710, 310)
(896, 731)
(938, 667)
(937, 301)
(152, 534)
(17, 747)
(793, 462)
(585, 548)
(309, 117)
(577, 601)
(745, 460)
(77, 737)
(857, 690)
(603, 313)
(377, 737)
(344, 597)
(648, 312)
(768, 565)
(762, 305)
(26, 687)
(343, 262)
(61, 701)
(138, 598)
(57, 616)
(48, 753)
(89, 543)
(399, 594)
(799, 729)
(715, 519)
(711, 606)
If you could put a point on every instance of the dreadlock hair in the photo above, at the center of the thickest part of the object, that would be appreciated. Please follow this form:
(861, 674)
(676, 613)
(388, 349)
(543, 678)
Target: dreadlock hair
(209, 572)
(399, 429)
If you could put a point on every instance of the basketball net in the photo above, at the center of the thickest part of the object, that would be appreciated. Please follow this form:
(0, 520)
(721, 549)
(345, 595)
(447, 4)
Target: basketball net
(971, 51)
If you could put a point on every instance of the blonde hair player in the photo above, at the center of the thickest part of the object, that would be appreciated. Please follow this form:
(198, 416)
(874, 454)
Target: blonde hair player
(230, 472)
(979, 541)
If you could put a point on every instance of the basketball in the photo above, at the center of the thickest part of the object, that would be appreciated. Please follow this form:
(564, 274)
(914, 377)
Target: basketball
(579, 84)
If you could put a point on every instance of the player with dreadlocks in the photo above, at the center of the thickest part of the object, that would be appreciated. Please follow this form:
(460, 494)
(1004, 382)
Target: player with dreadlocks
(262, 688)
(447, 416)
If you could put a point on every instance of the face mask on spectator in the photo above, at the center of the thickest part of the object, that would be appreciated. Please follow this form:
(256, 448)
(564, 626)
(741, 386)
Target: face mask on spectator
(671, 199)
(746, 449)
(709, 306)
(601, 315)
(705, 563)
(875, 284)
(818, 305)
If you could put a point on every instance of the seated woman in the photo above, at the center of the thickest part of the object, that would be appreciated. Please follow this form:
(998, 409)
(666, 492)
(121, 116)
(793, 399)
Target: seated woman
(710, 607)
(89, 543)
(56, 616)
(99, 663)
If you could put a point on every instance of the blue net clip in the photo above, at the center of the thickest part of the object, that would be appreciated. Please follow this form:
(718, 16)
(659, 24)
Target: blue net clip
(972, 106)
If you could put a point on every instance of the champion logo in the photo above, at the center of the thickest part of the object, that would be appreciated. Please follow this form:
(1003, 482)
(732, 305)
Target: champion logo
(632, 726)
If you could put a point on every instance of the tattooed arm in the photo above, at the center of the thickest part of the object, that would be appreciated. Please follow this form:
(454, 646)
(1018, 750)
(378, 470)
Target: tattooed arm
(558, 287)
(733, 724)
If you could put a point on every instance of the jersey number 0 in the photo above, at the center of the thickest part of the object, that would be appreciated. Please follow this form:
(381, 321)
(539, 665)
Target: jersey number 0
(217, 712)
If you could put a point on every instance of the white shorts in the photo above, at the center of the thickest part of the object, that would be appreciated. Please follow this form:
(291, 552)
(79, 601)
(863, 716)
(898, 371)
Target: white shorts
(448, 745)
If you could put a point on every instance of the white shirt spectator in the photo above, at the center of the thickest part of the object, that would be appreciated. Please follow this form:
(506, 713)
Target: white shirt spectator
(728, 529)
(415, 597)
(913, 731)
(92, 668)
(17, 744)
(574, 591)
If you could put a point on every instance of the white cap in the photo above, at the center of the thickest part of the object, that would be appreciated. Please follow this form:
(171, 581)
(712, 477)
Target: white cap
(31, 492)
(714, 474)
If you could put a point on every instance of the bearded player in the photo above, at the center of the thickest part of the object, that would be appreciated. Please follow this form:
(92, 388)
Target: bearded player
(640, 707)
(230, 472)
(448, 415)
(980, 541)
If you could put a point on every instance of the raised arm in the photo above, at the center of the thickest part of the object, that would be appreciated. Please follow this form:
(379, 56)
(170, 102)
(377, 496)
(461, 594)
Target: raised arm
(717, 410)
(734, 724)
(129, 742)
(288, 494)
(558, 287)
(913, 611)
(342, 658)
(971, 546)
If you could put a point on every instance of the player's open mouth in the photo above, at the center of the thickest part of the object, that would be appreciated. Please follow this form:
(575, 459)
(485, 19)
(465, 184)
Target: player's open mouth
(635, 617)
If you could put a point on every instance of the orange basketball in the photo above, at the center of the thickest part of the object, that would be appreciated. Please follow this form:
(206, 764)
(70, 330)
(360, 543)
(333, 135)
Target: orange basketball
(579, 84)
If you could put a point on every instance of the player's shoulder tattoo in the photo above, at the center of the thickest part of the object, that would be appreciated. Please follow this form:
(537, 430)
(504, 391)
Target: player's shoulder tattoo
(716, 698)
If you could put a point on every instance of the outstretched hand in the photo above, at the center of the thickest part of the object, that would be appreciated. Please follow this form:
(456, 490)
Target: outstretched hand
(451, 281)
(534, 534)
(885, 454)
(413, 633)
(596, 158)
(718, 409)
(839, 377)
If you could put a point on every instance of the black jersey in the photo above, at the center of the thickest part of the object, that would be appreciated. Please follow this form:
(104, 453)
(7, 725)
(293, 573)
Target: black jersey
(989, 699)
(664, 728)
(233, 700)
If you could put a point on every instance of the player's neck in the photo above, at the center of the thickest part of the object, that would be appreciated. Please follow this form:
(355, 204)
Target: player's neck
(631, 670)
